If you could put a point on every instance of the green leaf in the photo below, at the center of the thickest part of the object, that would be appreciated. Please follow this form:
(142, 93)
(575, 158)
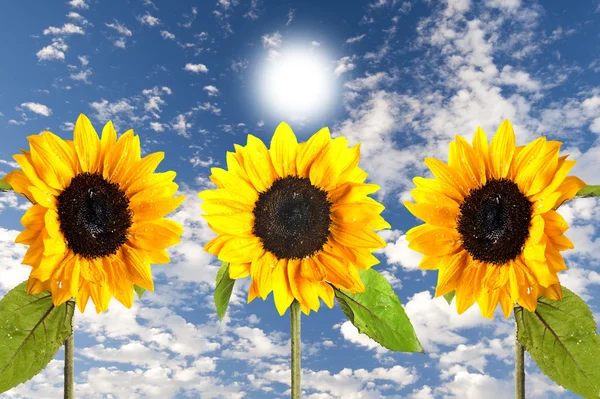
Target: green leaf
(223, 290)
(31, 332)
(561, 337)
(449, 297)
(378, 313)
(589, 191)
(4, 186)
(139, 291)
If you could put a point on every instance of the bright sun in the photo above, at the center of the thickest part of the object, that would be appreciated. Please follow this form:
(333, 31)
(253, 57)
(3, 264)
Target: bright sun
(297, 84)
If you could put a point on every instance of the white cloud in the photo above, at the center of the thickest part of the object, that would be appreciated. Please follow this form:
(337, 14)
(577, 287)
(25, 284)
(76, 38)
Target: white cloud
(37, 108)
(520, 79)
(157, 126)
(196, 68)
(197, 161)
(84, 60)
(54, 51)
(120, 43)
(106, 110)
(272, 41)
(78, 4)
(351, 334)
(65, 30)
(211, 90)
(437, 323)
(11, 254)
(154, 99)
(181, 126)
(397, 251)
(149, 20)
(370, 82)
(344, 64)
(167, 35)
(82, 75)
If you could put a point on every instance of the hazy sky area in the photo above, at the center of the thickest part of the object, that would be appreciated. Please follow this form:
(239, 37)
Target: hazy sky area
(401, 77)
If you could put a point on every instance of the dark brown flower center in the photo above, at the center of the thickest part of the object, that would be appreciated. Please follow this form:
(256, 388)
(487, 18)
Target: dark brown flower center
(94, 216)
(292, 218)
(494, 222)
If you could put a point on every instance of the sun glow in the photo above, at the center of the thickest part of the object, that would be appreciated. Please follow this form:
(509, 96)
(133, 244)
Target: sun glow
(297, 84)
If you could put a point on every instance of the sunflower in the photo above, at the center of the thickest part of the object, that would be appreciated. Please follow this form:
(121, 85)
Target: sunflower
(491, 227)
(295, 217)
(96, 223)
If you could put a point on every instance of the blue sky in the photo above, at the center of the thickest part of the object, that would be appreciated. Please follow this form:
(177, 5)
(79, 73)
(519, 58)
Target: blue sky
(406, 77)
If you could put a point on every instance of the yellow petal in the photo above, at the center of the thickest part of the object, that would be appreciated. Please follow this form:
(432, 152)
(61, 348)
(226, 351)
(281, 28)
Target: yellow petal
(312, 270)
(49, 156)
(329, 164)
(26, 165)
(351, 172)
(467, 292)
(257, 163)
(435, 215)
(568, 189)
(427, 196)
(526, 156)
(501, 150)
(158, 234)
(437, 242)
(351, 192)
(443, 172)
(240, 223)
(480, 145)
(20, 183)
(554, 224)
(340, 272)
(439, 186)
(326, 293)
(308, 152)
(450, 272)
(157, 209)
(564, 166)
(223, 179)
(431, 262)
(87, 144)
(282, 291)
(109, 138)
(138, 266)
(347, 235)
(142, 169)
(304, 290)
(471, 164)
(261, 270)
(283, 150)
(545, 204)
(43, 198)
(240, 250)
(239, 270)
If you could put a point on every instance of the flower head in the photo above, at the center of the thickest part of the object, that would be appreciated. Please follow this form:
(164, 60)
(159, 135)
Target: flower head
(491, 227)
(96, 223)
(296, 217)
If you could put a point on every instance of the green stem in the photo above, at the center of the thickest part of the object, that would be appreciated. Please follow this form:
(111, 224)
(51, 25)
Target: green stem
(519, 366)
(69, 365)
(295, 338)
